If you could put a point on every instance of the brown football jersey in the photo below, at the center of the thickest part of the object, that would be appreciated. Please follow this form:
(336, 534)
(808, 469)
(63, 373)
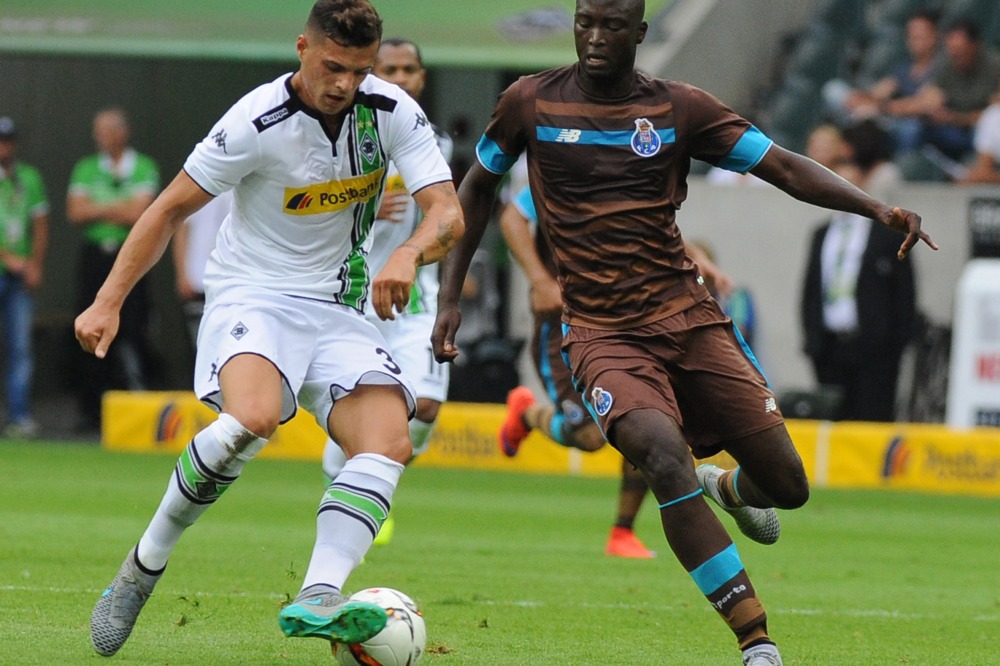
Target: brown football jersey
(607, 177)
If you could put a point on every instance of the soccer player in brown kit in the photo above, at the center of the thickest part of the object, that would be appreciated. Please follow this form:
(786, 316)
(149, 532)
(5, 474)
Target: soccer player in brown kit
(660, 367)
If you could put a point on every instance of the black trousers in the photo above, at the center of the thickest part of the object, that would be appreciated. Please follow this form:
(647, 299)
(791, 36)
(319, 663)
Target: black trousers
(867, 377)
(127, 365)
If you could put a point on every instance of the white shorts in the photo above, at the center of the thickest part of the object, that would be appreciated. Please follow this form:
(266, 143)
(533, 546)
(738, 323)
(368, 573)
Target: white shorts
(322, 350)
(409, 340)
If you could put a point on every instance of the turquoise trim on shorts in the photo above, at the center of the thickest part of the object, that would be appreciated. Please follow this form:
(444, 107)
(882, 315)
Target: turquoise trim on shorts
(718, 570)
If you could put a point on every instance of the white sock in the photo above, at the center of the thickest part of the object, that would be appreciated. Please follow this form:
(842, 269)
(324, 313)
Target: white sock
(334, 459)
(350, 515)
(420, 435)
(210, 464)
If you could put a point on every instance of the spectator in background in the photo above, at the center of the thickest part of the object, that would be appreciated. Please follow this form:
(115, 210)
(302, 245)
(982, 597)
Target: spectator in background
(826, 145)
(193, 242)
(904, 79)
(108, 191)
(24, 239)
(871, 148)
(986, 167)
(858, 310)
(949, 105)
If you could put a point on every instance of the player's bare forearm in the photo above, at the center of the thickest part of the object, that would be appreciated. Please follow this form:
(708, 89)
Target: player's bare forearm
(477, 194)
(442, 225)
(813, 183)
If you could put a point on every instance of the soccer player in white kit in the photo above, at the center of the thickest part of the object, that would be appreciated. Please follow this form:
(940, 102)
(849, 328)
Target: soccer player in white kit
(306, 157)
(408, 335)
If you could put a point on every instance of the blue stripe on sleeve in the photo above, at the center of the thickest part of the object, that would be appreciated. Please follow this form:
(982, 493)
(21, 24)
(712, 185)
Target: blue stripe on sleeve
(491, 157)
(525, 204)
(747, 152)
(718, 570)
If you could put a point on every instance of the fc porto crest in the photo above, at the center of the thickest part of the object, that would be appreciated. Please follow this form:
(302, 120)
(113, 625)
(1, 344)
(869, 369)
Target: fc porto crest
(645, 141)
(602, 400)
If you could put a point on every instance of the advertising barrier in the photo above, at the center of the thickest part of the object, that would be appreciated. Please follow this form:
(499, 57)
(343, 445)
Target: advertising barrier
(928, 458)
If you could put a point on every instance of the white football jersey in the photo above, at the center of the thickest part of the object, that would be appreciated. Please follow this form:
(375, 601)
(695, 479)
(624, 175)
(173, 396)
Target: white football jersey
(388, 235)
(305, 201)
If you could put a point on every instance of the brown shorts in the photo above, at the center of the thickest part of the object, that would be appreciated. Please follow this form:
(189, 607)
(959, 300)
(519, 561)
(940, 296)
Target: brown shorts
(546, 353)
(689, 365)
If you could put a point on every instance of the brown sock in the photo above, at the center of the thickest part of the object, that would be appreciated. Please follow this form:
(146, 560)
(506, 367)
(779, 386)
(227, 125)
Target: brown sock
(727, 487)
(738, 605)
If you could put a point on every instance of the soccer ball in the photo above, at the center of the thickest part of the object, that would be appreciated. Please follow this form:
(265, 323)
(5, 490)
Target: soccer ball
(401, 643)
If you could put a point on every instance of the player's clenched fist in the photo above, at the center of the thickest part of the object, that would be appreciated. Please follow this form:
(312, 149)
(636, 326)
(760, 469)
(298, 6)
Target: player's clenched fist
(95, 328)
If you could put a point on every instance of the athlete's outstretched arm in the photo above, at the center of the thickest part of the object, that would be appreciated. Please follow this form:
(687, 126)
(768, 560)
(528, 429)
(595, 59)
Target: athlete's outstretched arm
(436, 234)
(813, 183)
(97, 326)
(477, 193)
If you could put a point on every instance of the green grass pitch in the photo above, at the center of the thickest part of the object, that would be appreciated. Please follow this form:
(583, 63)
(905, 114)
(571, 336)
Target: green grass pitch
(509, 569)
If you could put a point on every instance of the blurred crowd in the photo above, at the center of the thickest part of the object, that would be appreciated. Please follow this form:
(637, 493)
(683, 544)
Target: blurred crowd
(935, 114)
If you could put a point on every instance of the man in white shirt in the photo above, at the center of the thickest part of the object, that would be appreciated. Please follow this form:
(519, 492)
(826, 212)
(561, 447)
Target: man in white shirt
(986, 167)
(286, 286)
(858, 311)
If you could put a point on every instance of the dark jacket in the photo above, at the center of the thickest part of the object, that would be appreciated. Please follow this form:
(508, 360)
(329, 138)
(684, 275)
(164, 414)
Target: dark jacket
(885, 294)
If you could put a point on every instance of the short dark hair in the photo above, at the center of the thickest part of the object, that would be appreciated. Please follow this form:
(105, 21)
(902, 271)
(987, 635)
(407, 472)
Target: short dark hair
(966, 26)
(399, 41)
(932, 16)
(347, 22)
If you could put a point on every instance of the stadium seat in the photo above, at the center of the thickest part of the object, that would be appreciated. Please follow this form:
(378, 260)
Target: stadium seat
(980, 11)
(894, 12)
(846, 17)
(793, 111)
(818, 54)
(886, 48)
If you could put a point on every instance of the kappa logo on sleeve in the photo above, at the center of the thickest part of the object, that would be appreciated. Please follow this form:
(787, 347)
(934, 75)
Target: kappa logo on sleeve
(332, 196)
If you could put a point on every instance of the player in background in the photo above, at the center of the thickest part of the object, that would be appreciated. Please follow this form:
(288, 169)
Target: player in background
(409, 334)
(658, 363)
(306, 157)
(565, 421)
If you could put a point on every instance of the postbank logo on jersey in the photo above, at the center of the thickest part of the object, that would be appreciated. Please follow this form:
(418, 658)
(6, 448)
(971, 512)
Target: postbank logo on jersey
(333, 195)
(645, 141)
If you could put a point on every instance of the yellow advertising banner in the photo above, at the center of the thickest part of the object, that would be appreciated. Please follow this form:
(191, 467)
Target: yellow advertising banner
(928, 458)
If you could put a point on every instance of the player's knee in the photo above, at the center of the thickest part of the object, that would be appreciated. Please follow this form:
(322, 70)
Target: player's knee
(794, 491)
(788, 490)
(398, 448)
(258, 421)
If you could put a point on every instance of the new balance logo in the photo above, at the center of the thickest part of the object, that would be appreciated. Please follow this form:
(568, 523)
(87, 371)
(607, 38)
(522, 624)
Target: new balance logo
(770, 405)
(568, 136)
